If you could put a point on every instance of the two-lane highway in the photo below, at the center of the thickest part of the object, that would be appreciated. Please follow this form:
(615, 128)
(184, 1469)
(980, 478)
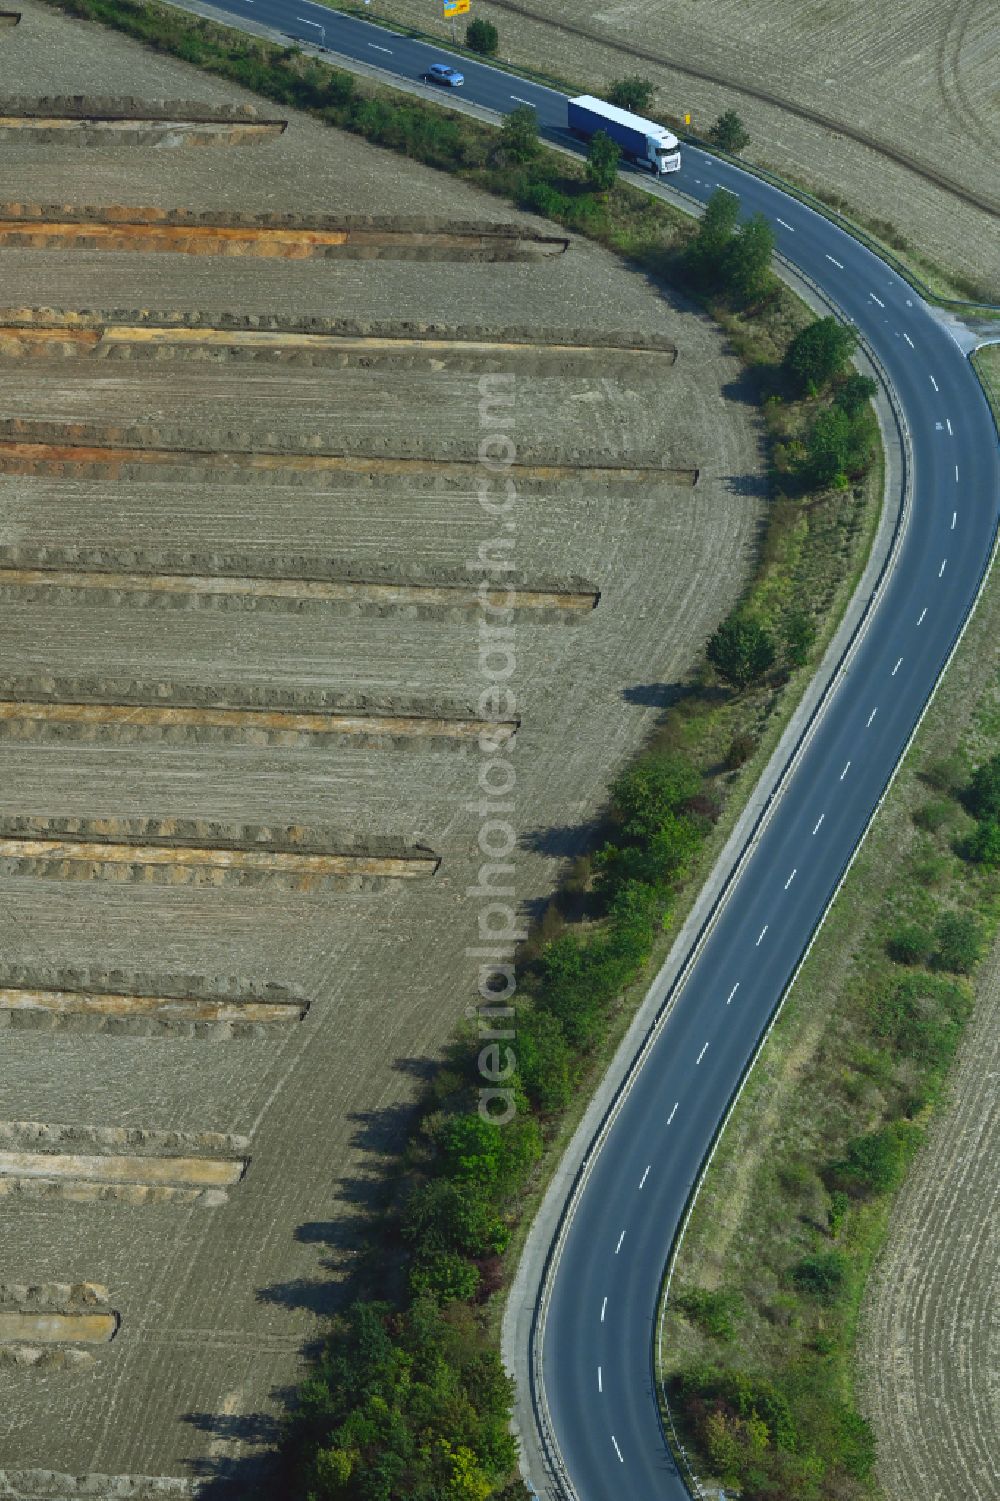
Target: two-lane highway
(597, 1339)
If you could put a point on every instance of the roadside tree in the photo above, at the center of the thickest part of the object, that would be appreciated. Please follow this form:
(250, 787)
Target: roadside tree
(742, 650)
(603, 156)
(634, 93)
(519, 134)
(729, 133)
(819, 353)
(482, 37)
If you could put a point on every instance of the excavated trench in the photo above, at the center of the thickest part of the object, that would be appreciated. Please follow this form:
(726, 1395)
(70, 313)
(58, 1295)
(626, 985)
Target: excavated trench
(159, 231)
(335, 596)
(114, 461)
(259, 726)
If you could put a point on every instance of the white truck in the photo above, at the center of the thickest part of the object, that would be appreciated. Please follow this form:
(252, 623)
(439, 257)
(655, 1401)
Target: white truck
(643, 141)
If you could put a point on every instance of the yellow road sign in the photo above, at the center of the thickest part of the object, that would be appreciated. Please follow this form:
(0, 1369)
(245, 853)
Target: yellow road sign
(455, 8)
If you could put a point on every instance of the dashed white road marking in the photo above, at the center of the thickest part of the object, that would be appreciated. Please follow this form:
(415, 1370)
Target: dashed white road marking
(522, 101)
(870, 718)
(600, 1381)
(956, 474)
(954, 518)
(619, 1245)
(838, 264)
(604, 1309)
(376, 48)
(785, 226)
(760, 940)
(845, 771)
(876, 299)
(617, 1450)
(909, 341)
(732, 992)
(923, 612)
(948, 425)
(935, 384)
(642, 1180)
(791, 878)
(673, 1112)
(897, 667)
(944, 564)
(701, 1055)
(909, 302)
(818, 822)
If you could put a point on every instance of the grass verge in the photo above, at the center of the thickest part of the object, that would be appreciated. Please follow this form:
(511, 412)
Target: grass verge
(759, 1336)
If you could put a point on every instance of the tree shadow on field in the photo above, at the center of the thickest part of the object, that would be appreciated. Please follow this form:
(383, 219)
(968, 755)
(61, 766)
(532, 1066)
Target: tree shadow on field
(653, 695)
(560, 841)
(254, 1476)
(749, 486)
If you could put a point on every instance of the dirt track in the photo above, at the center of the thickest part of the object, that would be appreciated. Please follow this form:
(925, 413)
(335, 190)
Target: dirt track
(930, 1332)
(151, 729)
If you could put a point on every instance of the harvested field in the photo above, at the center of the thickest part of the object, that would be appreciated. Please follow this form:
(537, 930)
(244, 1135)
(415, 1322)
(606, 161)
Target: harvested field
(839, 95)
(929, 1351)
(295, 438)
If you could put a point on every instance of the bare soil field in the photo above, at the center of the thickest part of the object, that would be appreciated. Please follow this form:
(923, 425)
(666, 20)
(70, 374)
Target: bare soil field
(241, 642)
(923, 87)
(930, 1334)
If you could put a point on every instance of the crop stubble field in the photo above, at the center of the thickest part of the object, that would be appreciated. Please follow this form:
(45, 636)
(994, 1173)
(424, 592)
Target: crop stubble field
(920, 80)
(218, 1288)
(930, 1337)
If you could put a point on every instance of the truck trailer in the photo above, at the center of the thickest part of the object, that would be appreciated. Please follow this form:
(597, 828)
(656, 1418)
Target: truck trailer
(643, 141)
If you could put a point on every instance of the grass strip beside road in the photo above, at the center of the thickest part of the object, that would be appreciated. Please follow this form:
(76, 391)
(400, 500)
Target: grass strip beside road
(759, 1338)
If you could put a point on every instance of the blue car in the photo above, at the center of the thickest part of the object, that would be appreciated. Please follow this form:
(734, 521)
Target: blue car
(449, 78)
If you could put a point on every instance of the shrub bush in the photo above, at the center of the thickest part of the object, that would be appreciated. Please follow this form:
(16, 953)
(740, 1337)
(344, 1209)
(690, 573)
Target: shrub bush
(634, 93)
(910, 944)
(958, 943)
(482, 37)
(822, 1275)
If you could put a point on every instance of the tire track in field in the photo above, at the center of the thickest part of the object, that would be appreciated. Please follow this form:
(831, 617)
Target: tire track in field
(954, 94)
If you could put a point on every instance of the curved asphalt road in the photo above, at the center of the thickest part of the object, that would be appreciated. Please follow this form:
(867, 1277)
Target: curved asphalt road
(599, 1335)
